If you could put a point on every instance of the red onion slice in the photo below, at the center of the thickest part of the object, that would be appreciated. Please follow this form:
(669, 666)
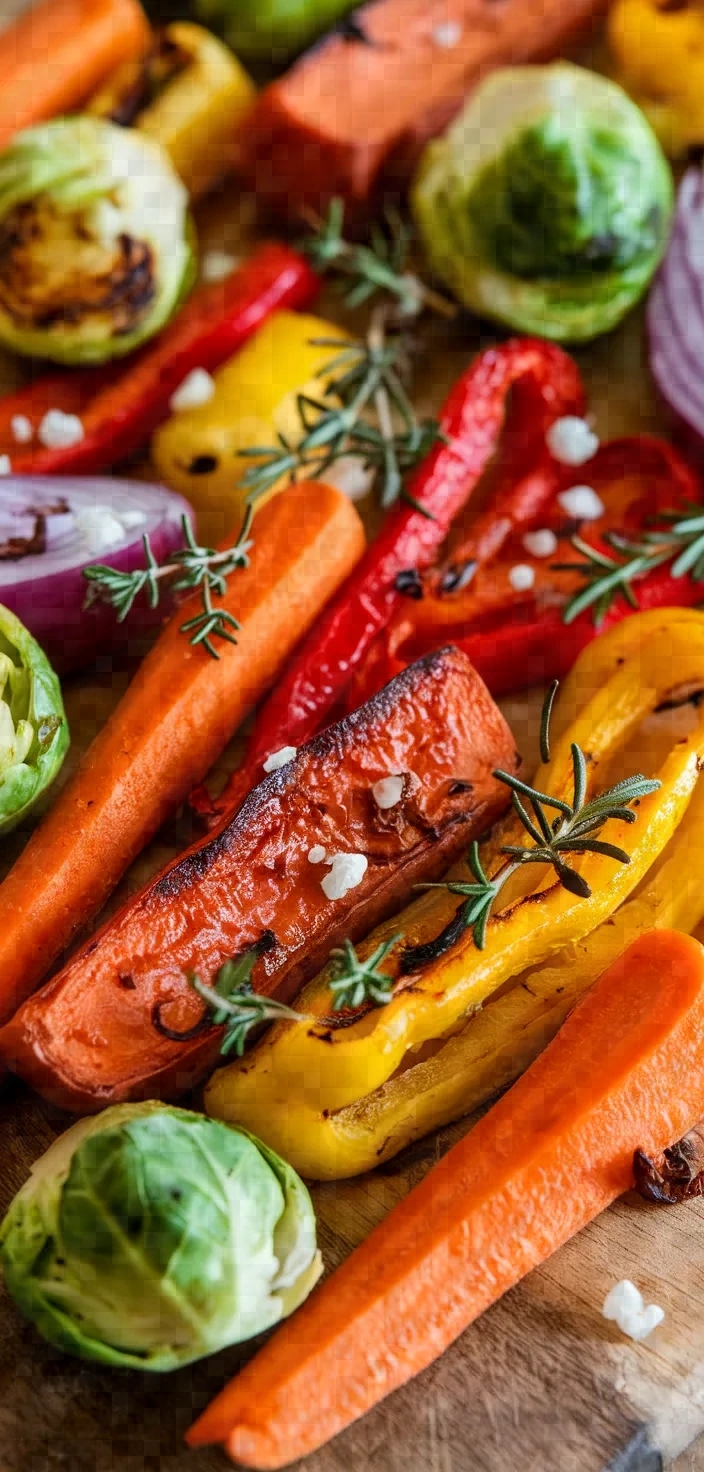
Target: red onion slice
(51, 529)
(675, 314)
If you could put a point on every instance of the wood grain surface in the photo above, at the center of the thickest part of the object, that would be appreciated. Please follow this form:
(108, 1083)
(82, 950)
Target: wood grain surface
(541, 1383)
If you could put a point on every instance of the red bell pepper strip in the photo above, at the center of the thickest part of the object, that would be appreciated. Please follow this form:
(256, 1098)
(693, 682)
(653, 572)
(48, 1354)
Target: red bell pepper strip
(545, 385)
(519, 638)
(121, 406)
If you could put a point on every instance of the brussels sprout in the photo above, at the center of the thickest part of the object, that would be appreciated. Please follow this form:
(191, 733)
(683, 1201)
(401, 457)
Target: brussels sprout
(34, 734)
(547, 203)
(150, 1236)
(271, 30)
(96, 246)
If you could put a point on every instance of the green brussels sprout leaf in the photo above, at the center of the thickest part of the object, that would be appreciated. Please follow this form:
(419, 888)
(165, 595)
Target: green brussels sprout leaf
(150, 1236)
(34, 734)
(547, 203)
(271, 30)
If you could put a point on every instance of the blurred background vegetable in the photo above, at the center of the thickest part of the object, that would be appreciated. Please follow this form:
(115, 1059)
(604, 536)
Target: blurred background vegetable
(658, 50)
(675, 312)
(51, 530)
(547, 203)
(34, 735)
(188, 93)
(96, 249)
(271, 31)
(199, 451)
(150, 1237)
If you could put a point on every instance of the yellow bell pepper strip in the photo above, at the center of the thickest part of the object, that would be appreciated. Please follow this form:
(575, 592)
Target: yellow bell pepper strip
(199, 450)
(317, 1092)
(658, 50)
(189, 93)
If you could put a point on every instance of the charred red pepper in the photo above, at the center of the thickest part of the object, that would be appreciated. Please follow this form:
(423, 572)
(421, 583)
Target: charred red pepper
(120, 406)
(516, 638)
(544, 384)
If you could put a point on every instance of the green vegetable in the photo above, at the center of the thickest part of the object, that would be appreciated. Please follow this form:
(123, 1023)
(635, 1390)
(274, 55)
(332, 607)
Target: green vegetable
(547, 203)
(271, 30)
(96, 244)
(150, 1236)
(34, 735)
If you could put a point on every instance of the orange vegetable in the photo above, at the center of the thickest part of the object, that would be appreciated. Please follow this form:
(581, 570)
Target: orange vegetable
(57, 53)
(176, 717)
(625, 1072)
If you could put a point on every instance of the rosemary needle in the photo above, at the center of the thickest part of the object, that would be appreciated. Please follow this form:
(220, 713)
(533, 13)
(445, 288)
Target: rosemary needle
(680, 542)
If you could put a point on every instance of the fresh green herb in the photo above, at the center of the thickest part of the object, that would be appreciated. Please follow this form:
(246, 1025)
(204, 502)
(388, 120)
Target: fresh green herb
(680, 541)
(575, 829)
(355, 982)
(363, 378)
(236, 1006)
(379, 266)
(190, 568)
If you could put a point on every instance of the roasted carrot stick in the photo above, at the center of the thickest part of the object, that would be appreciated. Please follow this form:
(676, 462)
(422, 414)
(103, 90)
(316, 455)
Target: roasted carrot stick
(176, 717)
(57, 53)
(625, 1072)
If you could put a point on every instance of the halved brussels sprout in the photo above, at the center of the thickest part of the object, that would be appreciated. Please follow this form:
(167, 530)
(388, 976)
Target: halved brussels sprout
(34, 735)
(150, 1236)
(271, 30)
(96, 244)
(547, 203)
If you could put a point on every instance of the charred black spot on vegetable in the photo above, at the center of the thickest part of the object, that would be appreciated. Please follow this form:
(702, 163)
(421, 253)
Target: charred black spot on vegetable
(574, 830)
(456, 578)
(678, 1177)
(54, 268)
(409, 583)
(136, 84)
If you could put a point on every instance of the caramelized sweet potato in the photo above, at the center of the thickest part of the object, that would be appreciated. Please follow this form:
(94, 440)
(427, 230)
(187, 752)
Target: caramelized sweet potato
(88, 1037)
(353, 114)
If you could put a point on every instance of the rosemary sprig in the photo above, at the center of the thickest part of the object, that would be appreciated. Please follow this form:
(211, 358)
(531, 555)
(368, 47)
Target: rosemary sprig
(363, 378)
(190, 568)
(380, 265)
(575, 829)
(355, 982)
(236, 1006)
(680, 541)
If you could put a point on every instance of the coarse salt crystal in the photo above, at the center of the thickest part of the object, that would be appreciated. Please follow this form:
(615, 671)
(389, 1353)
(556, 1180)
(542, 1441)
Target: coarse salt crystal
(316, 854)
(388, 792)
(521, 577)
(217, 265)
(541, 543)
(59, 431)
(21, 428)
(5, 465)
(197, 389)
(636, 1319)
(447, 34)
(349, 475)
(582, 503)
(98, 528)
(571, 440)
(279, 758)
(346, 872)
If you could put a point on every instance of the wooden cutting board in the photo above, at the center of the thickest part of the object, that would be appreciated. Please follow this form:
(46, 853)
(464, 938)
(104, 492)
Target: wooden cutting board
(541, 1383)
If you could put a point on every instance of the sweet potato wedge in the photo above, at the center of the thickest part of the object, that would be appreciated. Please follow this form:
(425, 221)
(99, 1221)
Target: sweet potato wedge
(88, 1038)
(351, 117)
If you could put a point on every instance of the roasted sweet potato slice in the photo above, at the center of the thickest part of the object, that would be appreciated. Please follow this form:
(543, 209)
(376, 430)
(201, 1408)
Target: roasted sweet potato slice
(88, 1038)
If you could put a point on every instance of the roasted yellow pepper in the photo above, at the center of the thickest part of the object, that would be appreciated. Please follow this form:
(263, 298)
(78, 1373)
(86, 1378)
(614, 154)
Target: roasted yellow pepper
(189, 94)
(198, 451)
(337, 1102)
(658, 49)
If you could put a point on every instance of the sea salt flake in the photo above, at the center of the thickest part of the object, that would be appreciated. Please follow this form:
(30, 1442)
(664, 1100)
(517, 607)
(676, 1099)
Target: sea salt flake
(197, 389)
(571, 440)
(540, 543)
(316, 854)
(59, 431)
(21, 428)
(346, 872)
(279, 758)
(625, 1305)
(387, 793)
(582, 503)
(5, 465)
(521, 577)
(217, 265)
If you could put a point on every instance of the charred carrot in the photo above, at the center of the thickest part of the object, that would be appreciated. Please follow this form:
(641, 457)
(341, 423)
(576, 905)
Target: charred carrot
(176, 717)
(58, 52)
(626, 1072)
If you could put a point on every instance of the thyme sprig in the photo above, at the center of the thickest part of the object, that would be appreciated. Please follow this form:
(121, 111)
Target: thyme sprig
(193, 567)
(363, 378)
(355, 982)
(381, 265)
(679, 541)
(234, 1004)
(575, 829)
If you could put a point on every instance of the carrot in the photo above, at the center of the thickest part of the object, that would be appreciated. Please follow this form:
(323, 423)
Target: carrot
(56, 54)
(625, 1072)
(176, 717)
